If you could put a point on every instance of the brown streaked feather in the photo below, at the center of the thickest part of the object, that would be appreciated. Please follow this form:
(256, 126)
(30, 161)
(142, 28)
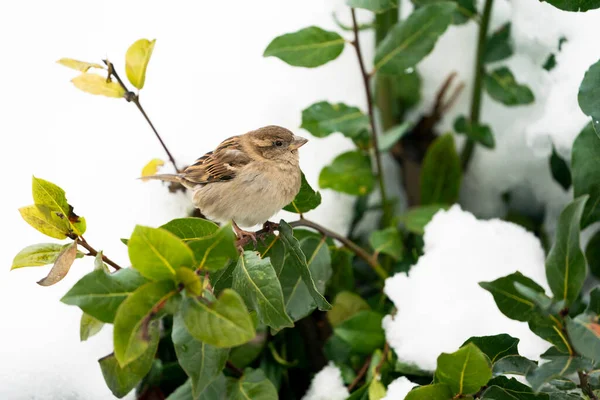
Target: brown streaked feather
(218, 165)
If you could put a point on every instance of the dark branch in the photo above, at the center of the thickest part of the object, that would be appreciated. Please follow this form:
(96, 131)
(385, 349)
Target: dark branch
(94, 253)
(135, 99)
(365, 78)
(360, 374)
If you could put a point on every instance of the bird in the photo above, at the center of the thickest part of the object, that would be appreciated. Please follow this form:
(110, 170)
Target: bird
(246, 180)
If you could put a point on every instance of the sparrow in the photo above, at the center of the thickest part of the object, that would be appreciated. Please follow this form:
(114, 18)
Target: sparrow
(247, 179)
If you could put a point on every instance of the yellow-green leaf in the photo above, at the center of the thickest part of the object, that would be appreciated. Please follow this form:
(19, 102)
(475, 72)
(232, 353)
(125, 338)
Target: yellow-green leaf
(189, 279)
(152, 167)
(45, 221)
(88, 327)
(136, 61)
(96, 84)
(53, 198)
(37, 255)
(78, 65)
(345, 305)
(61, 265)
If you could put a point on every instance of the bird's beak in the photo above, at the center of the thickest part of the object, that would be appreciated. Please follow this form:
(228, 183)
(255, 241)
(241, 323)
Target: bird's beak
(298, 142)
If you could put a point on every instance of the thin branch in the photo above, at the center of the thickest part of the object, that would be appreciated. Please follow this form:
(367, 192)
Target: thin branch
(360, 374)
(585, 386)
(94, 253)
(365, 77)
(356, 249)
(235, 369)
(467, 151)
(135, 99)
(386, 350)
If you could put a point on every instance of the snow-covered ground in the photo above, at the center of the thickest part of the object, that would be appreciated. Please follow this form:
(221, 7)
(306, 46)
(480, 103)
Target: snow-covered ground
(207, 81)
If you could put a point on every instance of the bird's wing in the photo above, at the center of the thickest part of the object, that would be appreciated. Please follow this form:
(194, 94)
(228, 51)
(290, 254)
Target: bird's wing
(219, 165)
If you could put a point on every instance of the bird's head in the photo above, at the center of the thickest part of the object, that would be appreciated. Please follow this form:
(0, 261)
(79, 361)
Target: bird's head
(275, 143)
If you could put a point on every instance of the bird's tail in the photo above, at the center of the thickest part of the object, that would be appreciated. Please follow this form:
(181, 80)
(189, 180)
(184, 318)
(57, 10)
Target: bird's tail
(164, 177)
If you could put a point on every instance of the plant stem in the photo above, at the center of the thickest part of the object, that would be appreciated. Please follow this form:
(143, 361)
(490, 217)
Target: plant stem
(94, 253)
(356, 249)
(365, 77)
(390, 109)
(235, 369)
(132, 97)
(360, 374)
(585, 386)
(469, 147)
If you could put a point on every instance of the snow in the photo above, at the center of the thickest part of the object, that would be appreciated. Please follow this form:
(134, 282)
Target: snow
(440, 304)
(524, 134)
(399, 388)
(327, 385)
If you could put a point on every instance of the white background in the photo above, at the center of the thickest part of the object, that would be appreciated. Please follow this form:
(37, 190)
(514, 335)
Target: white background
(207, 80)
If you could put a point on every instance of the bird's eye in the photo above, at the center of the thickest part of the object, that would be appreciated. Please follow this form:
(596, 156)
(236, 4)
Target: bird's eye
(278, 143)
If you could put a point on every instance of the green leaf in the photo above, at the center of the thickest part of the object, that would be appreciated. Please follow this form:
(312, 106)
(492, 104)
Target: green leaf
(157, 253)
(548, 327)
(98, 85)
(88, 327)
(416, 218)
(342, 277)
(37, 255)
(299, 301)
(349, 173)
(130, 333)
(589, 92)
(406, 87)
(136, 61)
(61, 266)
(99, 262)
(543, 302)
(346, 305)
(502, 388)
(309, 47)
(47, 194)
(594, 304)
(297, 259)
(202, 362)
(409, 41)
(376, 6)
(46, 221)
(502, 87)
(212, 246)
(245, 354)
(441, 172)
(465, 370)
(273, 248)
(393, 135)
(559, 365)
(438, 391)
(584, 334)
(307, 199)
(190, 281)
(592, 254)
(191, 228)
(513, 365)
(565, 264)
(362, 331)
(376, 390)
(387, 241)
(323, 118)
(585, 168)
(498, 46)
(510, 302)
(495, 347)
(479, 133)
(122, 380)
(214, 391)
(575, 5)
(225, 322)
(253, 385)
(256, 281)
(560, 170)
(100, 294)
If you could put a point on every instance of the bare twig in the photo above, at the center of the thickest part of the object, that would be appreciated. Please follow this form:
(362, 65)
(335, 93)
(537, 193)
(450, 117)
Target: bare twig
(361, 374)
(94, 253)
(135, 99)
(365, 78)
(585, 386)
(386, 349)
